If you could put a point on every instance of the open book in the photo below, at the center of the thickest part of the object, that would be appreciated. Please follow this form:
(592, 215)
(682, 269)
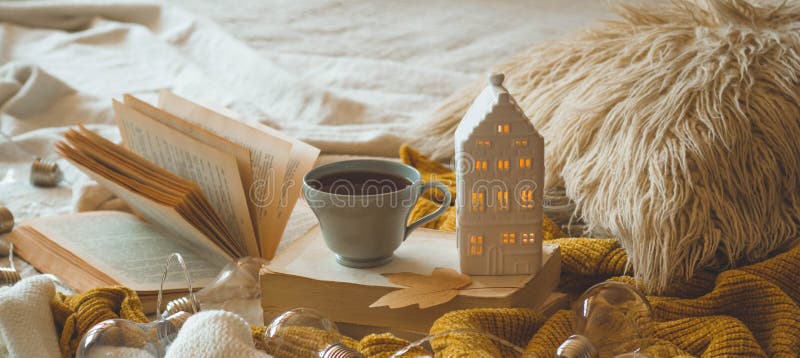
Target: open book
(107, 248)
(203, 175)
(221, 186)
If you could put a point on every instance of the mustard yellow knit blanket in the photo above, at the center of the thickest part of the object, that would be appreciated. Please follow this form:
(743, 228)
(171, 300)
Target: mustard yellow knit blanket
(752, 311)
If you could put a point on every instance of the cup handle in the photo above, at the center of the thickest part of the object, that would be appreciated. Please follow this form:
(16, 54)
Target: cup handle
(441, 210)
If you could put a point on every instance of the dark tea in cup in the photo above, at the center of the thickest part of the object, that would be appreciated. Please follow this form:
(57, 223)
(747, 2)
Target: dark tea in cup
(363, 207)
(360, 183)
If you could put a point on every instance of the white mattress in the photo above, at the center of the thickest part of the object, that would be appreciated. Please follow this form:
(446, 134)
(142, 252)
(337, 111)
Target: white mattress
(352, 77)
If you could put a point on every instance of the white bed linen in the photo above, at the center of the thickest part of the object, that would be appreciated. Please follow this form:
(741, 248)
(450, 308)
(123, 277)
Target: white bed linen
(351, 77)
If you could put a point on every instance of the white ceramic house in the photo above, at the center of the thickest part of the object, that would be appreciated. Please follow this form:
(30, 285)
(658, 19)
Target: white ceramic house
(500, 179)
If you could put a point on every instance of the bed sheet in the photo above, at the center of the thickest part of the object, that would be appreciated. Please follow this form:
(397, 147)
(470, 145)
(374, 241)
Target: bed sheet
(351, 77)
(393, 61)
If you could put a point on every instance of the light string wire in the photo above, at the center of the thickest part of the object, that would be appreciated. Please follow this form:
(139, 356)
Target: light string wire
(11, 256)
(176, 258)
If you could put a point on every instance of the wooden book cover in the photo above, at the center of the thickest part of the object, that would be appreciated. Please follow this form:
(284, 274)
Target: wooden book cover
(306, 274)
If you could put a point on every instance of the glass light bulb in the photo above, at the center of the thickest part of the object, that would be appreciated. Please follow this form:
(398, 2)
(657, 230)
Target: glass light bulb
(121, 337)
(469, 341)
(236, 289)
(610, 319)
(304, 332)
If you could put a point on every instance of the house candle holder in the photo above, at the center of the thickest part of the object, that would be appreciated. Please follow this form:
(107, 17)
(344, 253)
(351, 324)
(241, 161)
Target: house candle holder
(500, 182)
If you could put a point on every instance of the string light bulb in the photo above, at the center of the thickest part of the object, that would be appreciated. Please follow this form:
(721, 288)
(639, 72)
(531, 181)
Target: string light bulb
(611, 319)
(6, 220)
(305, 332)
(236, 289)
(9, 275)
(45, 173)
(122, 337)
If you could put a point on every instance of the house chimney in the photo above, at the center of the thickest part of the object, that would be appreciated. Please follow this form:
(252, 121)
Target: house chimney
(496, 79)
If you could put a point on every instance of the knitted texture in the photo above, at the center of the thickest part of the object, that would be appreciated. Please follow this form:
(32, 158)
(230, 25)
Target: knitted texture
(513, 325)
(214, 334)
(303, 342)
(26, 327)
(75, 315)
(751, 311)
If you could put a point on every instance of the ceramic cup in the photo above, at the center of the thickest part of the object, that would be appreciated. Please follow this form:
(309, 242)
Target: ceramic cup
(364, 230)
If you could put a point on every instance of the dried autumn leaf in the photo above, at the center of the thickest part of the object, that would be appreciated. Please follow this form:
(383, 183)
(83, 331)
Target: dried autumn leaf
(439, 287)
(440, 278)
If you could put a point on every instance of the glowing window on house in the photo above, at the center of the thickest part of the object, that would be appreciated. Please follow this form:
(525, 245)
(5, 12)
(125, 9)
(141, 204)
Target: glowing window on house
(502, 200)
(502, 164)
(478, 201)
(509, 238)
(526, 198)
(481, 165)
(524, 163)
(520, 142)
(528, 238)
(503, 128)
(484, 142)
(476, 245)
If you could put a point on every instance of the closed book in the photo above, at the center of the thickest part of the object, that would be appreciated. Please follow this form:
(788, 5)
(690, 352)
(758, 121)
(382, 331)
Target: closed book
(306, 274)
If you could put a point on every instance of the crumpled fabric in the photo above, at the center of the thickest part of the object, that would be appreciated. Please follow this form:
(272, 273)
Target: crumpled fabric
(26, 322)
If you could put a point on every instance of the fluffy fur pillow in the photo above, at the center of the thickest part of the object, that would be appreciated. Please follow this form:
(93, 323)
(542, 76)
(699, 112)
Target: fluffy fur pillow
(675, 129)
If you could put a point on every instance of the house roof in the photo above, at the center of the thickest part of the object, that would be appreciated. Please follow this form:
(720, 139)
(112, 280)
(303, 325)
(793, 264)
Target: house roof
(493, 96)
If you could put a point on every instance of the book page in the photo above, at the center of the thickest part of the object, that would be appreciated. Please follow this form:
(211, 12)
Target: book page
(158, 194)
(200, 134)
(164, 217)
(300, 222)
(214, 171)
(126, 248)
(301, 162)
(279, 163)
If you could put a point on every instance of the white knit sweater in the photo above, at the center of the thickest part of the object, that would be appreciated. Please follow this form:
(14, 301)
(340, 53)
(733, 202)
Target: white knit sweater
(26, 321)
(214, 334)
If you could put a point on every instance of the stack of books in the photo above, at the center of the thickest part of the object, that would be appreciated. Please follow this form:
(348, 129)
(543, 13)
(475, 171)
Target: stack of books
(306, 274)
